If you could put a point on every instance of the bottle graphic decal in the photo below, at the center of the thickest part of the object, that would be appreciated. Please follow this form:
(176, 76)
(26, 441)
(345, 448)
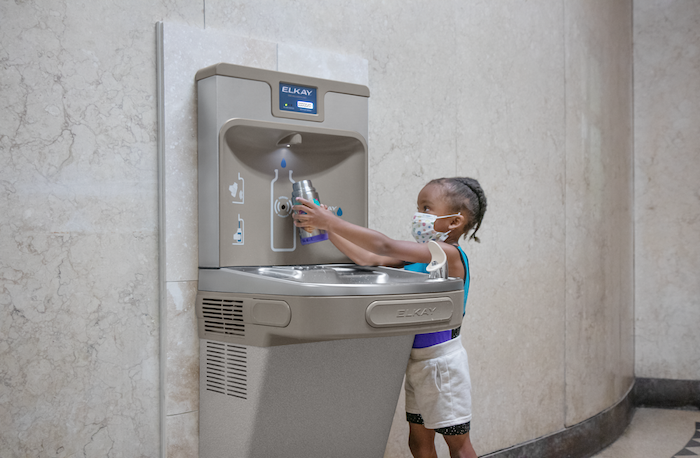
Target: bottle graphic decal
(282, 230)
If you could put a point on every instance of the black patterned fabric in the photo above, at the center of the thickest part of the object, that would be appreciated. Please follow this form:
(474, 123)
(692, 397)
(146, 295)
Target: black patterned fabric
(456, 430)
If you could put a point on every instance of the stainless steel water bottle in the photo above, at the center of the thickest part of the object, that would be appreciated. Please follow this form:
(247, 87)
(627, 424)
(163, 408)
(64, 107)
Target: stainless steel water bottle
(306, 190)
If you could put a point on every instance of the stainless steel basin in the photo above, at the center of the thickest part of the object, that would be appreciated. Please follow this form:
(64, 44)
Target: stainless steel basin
(322, 280)
(323, 274)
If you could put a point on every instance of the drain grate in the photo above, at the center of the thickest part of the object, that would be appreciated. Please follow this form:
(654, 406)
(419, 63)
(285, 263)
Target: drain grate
(226, 369)
(223, 316)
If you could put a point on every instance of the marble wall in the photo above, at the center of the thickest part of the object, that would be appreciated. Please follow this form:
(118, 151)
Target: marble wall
(78, 227)
(532, 98)
(667, 189)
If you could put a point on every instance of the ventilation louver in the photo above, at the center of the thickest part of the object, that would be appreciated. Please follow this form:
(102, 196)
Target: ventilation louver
(223, 316)
(226, 369)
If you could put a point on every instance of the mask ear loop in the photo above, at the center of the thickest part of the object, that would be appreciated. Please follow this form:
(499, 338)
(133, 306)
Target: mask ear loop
(459, 213)
(445, 235)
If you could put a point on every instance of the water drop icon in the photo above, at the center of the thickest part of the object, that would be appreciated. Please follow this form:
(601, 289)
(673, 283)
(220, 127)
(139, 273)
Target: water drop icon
(284, 163)
(340, 212)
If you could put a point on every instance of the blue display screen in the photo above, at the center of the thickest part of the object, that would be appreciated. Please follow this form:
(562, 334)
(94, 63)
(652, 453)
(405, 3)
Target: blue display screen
(301, 99)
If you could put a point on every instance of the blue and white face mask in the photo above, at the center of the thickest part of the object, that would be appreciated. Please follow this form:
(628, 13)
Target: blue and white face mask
(423, 228)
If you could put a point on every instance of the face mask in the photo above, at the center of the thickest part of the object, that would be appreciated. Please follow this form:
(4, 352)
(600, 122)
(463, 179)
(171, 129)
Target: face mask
(423, 227)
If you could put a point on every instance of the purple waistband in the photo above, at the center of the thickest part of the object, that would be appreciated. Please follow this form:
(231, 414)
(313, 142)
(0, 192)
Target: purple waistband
(431, 338)
(315, 238)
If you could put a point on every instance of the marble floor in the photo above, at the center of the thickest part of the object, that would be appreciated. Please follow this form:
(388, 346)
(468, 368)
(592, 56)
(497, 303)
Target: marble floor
(658, 433)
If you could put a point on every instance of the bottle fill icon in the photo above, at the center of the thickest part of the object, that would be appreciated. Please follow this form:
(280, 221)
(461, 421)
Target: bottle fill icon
(238, 235)
(282, 230)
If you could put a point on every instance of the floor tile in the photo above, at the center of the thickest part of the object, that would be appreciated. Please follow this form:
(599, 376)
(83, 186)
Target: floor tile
(658, 433)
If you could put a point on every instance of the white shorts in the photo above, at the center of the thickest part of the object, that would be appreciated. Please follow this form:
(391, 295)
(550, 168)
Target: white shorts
(438, 386)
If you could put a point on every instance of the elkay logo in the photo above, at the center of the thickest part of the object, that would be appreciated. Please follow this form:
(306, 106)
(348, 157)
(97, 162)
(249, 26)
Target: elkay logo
(407, 313)
(296, 90)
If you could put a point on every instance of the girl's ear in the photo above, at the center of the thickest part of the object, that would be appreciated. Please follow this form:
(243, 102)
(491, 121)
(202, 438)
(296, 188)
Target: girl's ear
(458, 222)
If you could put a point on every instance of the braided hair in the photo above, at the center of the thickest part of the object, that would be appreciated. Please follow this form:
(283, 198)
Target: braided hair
(465, 194)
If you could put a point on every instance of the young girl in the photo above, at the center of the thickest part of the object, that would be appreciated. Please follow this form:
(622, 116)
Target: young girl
(438, 397)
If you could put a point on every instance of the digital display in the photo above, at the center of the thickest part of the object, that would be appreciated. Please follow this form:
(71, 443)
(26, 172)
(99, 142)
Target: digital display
(300, 99)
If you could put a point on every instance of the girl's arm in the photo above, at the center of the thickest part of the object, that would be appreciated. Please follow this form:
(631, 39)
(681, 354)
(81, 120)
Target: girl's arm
(367, 239)
(369, 247)
(359, 255)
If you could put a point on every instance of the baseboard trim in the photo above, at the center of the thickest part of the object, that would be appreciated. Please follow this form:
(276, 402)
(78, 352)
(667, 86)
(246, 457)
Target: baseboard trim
(667, 394)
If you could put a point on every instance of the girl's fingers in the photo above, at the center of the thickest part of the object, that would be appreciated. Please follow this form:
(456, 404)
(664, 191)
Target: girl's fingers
(303, 203)
(307, 203)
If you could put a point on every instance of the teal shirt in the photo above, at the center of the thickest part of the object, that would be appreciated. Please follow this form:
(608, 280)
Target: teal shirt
(423, 268)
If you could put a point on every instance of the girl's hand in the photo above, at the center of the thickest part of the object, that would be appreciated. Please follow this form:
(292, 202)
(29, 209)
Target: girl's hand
(308, 215)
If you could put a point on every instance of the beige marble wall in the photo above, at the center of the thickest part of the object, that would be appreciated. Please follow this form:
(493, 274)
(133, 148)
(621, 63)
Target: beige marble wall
(599, 204)
(78, 227)
(667, 194)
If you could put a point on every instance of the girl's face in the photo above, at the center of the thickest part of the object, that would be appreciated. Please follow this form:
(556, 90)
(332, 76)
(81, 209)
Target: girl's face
(431, 199)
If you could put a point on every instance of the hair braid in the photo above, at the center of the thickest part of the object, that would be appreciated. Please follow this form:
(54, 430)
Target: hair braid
(475, 187)
(465, 193)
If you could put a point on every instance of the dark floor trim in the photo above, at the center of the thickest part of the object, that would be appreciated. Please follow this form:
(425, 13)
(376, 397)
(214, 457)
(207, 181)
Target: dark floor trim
(579, 441)
(590, 436)
(667, 394)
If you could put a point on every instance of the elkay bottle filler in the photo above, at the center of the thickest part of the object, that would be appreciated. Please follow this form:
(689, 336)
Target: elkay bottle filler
(302, 353)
